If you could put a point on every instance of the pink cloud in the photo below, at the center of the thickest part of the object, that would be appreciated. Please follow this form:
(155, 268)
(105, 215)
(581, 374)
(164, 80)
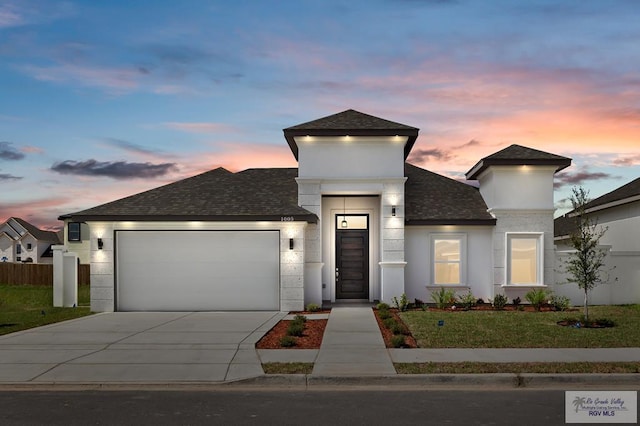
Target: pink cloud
(202, 127)
(115, 80)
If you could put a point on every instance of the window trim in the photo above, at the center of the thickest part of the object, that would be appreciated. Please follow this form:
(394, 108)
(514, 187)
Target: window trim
(539, 236)
(74, 239)
(462, 238)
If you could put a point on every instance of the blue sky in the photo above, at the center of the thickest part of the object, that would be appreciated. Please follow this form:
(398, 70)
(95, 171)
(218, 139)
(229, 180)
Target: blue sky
(104, 99)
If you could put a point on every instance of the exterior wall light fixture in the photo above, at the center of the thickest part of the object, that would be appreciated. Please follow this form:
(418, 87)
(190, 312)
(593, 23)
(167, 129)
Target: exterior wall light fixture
(393, 211)
(100, 243)
(290, 243)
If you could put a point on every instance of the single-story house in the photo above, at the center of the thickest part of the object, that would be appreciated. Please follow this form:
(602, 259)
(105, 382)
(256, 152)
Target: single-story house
(23, 242)
(619, 212)
(354, 221)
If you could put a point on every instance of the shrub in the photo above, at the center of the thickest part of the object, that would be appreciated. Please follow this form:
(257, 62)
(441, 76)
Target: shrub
(287, 341)
(389, 323)
(383, 306)
(516, 302)
(300, 318)
(499, 302)
(384, 314)
(401, 304)
(418, 303)
(295, 328)
(397, 341)
(444, 297)
(560, 303)
(537, 297)
(467, 301)
(480, 301)
(312, 307)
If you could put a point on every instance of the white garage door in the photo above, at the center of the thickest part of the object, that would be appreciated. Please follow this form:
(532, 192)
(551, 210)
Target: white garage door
(197, 270)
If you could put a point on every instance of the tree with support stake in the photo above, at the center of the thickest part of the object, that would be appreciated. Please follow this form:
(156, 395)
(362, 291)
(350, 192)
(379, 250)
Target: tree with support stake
(585, 265)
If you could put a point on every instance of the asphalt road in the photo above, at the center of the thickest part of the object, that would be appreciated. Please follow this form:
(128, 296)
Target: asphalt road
(438, 407)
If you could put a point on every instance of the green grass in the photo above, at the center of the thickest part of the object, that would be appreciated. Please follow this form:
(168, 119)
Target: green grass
(518, 367)
(22, 307)
(287, 367)
(514, 329)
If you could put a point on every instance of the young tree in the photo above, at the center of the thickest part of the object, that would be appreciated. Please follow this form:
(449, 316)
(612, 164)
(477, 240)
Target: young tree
(585, 266)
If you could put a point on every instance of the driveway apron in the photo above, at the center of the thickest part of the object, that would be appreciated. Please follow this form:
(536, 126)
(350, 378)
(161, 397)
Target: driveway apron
(138, 347)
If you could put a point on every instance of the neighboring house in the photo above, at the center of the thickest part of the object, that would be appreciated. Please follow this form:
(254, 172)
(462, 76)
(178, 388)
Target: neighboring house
(20, 241)
(354, 221)
(619, 211)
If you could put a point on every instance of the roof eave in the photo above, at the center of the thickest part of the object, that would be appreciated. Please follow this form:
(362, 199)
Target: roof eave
(482, 165)
(309, 218)
(462, 222)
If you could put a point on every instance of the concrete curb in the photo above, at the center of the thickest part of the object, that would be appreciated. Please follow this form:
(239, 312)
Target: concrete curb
(301, 382)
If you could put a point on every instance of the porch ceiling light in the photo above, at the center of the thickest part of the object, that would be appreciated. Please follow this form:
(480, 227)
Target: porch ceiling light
(344, 223)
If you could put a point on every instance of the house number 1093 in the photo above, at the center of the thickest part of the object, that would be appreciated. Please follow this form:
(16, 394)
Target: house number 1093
(286, 219)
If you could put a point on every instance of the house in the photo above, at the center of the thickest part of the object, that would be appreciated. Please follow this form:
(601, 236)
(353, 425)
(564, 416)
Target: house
(20, 241)
(354, 221)
(619, 212)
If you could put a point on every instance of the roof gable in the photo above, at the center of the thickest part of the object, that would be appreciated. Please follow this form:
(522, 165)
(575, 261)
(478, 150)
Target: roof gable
(518, 155)
(352, 123)
(28, 228)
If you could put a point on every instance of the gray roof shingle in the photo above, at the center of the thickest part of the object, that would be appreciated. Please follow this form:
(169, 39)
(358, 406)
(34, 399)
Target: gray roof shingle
(253, 194)
(433, 199)
(517, 155)
(38, 234)
(352, 123)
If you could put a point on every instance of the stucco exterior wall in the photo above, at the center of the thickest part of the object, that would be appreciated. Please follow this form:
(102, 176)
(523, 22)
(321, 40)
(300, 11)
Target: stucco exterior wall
(478, 264)
(518, 187)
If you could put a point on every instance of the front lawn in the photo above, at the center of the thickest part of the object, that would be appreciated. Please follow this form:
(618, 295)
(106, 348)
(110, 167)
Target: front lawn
(509, 329)
(24, 306)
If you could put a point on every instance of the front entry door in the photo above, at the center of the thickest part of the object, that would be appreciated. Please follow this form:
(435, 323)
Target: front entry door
(352, 264)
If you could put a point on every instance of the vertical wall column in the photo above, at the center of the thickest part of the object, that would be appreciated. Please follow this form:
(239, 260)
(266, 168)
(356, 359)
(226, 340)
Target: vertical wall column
(292, 267)
(310, 198)
(102, 268)
(65, 277)
(392, 262)
(58, 275)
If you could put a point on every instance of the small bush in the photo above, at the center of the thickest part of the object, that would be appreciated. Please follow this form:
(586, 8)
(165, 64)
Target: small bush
(467, 301)
(300, 318)
(312, 307)
(295, 328)
(516, 302)
(480, 301)
(537, 297)
(399, 328)
(287, 341)
(499, 302)
(384, 315)
(444, 297)
(418, 303)
(389, 323)
(397, 341)
(401, 304)
(560, 303)
(383, 306)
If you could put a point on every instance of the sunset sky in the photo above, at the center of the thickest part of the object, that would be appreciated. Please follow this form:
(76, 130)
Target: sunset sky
(104, 99)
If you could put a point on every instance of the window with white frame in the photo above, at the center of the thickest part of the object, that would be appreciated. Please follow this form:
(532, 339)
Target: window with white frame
(448, 259)
(524, 259)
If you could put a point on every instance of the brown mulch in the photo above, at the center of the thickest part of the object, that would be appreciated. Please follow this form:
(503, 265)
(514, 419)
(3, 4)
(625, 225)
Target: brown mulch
(409, 341)
(313, 332)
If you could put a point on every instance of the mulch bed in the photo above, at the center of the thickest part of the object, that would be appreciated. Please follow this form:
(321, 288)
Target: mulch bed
(409, 341)
(580, 324)
(312, 338)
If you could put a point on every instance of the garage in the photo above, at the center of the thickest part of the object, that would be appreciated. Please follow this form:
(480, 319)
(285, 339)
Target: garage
(197, 270)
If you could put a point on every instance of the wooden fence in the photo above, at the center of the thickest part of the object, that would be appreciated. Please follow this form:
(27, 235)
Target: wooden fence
(35, 274)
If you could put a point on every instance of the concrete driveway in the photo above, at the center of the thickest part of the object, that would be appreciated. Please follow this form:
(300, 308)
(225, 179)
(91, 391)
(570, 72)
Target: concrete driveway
(138, 347)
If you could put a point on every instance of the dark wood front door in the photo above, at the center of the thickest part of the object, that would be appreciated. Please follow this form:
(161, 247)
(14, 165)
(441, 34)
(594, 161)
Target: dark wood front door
(352, 264)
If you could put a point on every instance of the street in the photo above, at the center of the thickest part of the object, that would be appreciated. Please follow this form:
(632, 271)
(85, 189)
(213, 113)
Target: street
(487, 407)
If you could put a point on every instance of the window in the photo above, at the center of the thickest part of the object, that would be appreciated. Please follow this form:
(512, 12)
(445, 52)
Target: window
(448, 259)
(28, 246)
(524, 259)
(73, 231)
(18, 249)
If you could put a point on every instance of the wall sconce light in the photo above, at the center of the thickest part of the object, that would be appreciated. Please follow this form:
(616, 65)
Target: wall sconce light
(290, 243)
(100, 243)
(393, 211)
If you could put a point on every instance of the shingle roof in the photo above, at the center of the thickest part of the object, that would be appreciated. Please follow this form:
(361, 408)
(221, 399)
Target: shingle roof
(37, 233)
(253, 194)
(352, 123)
(432, 199)
(269, 194)
(631, 189)
(565, 224)
(517, 155)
